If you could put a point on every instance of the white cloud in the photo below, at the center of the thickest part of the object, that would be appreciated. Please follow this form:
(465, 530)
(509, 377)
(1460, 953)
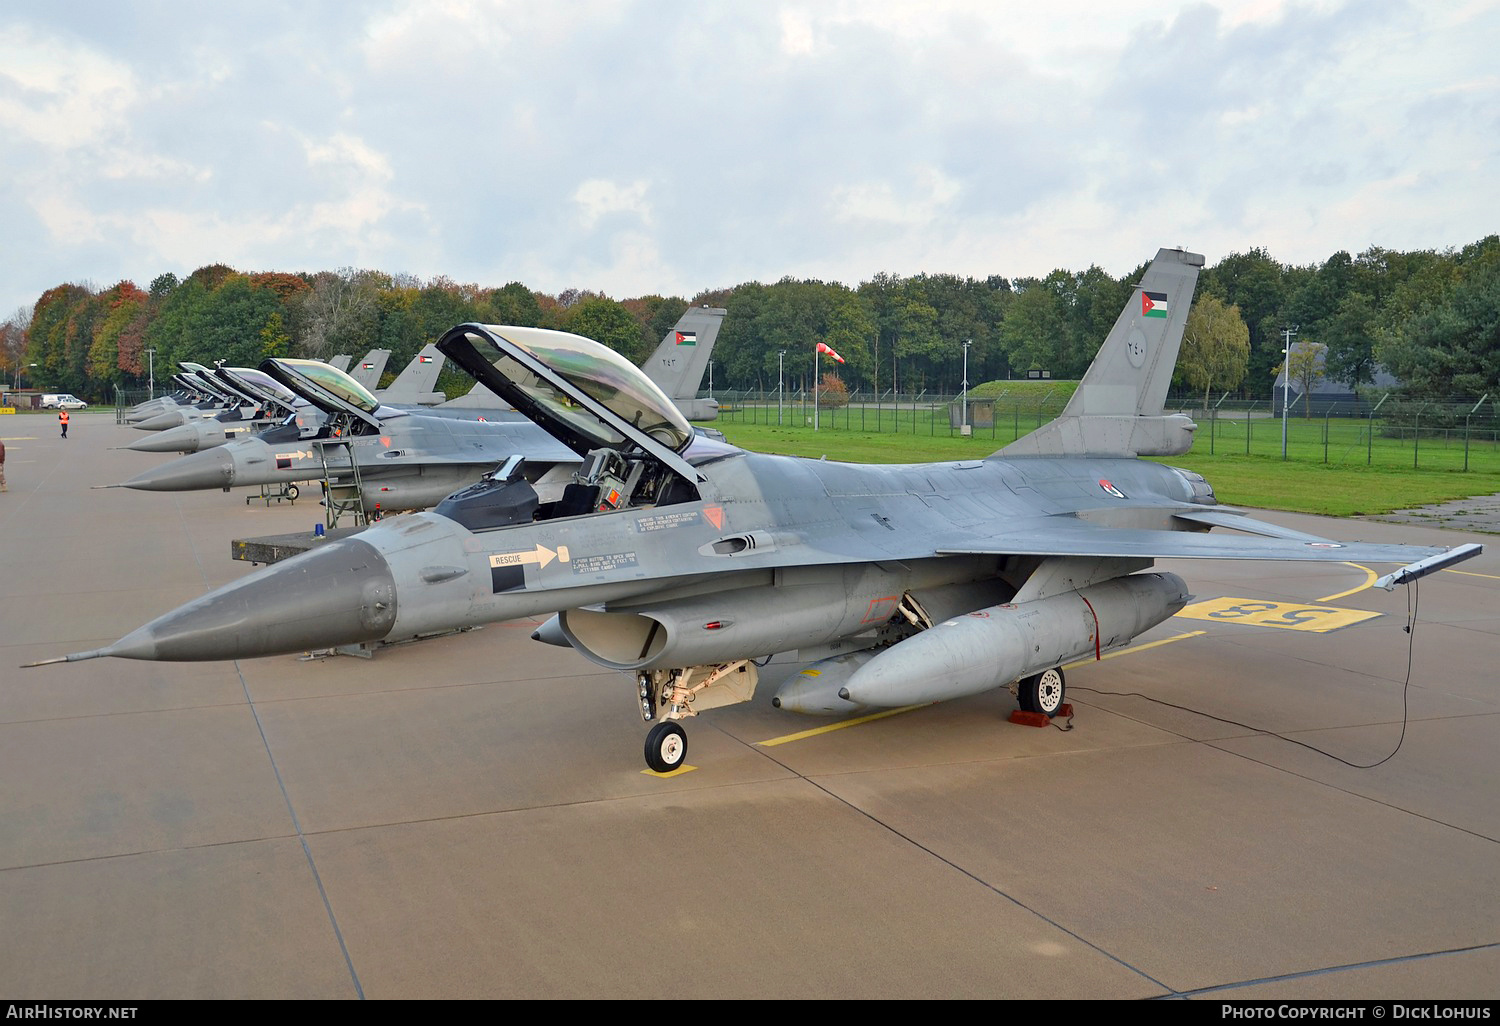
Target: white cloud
(599, 197)
(61, 96)
(930, 194)
(660, 145)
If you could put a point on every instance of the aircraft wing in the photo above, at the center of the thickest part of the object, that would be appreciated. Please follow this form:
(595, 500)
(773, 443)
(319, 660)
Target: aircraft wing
(1070, 536)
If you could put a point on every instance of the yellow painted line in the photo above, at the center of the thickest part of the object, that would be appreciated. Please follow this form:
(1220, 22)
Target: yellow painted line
(803, 735)
(1292, 616)
(1370, 576)
(1470, 573)
(679, 771)
(1135, 648)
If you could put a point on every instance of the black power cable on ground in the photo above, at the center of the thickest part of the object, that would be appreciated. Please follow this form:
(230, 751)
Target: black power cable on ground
(1412, 601)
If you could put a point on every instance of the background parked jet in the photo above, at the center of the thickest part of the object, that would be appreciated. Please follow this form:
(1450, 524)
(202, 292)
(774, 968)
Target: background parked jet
(406, 458)
(683, 561)
(247, 461)
(412, 388)
(275, 405)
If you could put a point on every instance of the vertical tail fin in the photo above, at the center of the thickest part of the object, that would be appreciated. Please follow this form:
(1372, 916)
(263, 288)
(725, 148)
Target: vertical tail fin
(415, 384)
(678, 364)
(340, 362)
(1118, 409)
(367, 372)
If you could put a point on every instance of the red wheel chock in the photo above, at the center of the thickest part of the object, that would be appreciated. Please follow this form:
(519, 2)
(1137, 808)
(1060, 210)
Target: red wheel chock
(1031, 719)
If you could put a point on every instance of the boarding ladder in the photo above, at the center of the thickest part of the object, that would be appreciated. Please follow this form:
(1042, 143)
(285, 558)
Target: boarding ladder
(346, 498)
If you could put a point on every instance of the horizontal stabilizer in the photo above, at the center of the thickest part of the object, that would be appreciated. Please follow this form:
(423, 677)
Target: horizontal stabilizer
(1236, 521)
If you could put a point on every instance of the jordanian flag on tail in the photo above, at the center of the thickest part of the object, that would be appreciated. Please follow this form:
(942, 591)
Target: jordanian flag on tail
(1153, 304)
(424, 359)
(687, 338)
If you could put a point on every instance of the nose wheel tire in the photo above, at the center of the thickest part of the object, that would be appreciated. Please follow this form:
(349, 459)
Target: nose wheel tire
(666, 747)
(1042, 692)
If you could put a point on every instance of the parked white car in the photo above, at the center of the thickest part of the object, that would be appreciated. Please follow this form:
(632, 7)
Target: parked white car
(62, 401)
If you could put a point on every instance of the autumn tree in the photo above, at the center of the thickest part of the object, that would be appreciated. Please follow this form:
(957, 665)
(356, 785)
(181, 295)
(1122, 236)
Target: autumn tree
(13, 343)
(341, 314)
(122, 306)
(832, 393)
(1215, 347)
(57, 316)
(1307, 369)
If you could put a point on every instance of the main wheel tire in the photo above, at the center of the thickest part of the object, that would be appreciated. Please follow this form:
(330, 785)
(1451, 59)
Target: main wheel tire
(666, 747)
(1043, 692)
(292, 491)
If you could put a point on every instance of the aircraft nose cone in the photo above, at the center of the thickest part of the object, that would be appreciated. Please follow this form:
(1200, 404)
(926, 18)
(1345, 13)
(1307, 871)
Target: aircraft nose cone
(341, 594)
(145, 411)
(212, 468)
(160, 422)
(182, 438)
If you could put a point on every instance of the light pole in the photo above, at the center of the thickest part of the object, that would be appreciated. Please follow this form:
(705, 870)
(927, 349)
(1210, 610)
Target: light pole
(964, 428)
(1286, 385)
(151, 360)
(710, 379)
(780, 385)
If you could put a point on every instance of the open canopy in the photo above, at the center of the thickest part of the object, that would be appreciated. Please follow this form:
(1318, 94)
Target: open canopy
(326, 387)
(586, 396)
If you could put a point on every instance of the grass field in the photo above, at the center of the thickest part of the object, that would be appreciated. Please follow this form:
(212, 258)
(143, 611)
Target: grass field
(1346, 485)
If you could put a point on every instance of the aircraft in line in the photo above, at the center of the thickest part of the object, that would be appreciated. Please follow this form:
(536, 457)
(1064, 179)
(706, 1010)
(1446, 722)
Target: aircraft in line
(202, 395)
(256, 412)
(271, 405)
(683, 561)
(406, 461)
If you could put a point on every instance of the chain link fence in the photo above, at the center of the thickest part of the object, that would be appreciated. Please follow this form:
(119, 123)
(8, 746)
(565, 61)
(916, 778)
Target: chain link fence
(1457, 433)
(999, 419)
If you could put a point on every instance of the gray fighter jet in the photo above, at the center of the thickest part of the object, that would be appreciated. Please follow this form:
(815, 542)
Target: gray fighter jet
(273, 406)
(405, 459)
(264, 404)
(682, 561)
(206, 398)
(677, 367)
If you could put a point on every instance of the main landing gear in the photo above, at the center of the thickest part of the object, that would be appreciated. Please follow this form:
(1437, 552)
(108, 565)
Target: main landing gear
(1042, 692)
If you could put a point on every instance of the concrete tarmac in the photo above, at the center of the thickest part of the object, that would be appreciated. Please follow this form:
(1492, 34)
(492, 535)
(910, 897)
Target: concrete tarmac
(468, 817)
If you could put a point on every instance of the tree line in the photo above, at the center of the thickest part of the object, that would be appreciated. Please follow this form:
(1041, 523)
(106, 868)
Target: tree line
(1432, 319)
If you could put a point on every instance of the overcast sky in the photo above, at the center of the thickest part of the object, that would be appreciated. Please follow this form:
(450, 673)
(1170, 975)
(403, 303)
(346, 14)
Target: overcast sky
(666, 146)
